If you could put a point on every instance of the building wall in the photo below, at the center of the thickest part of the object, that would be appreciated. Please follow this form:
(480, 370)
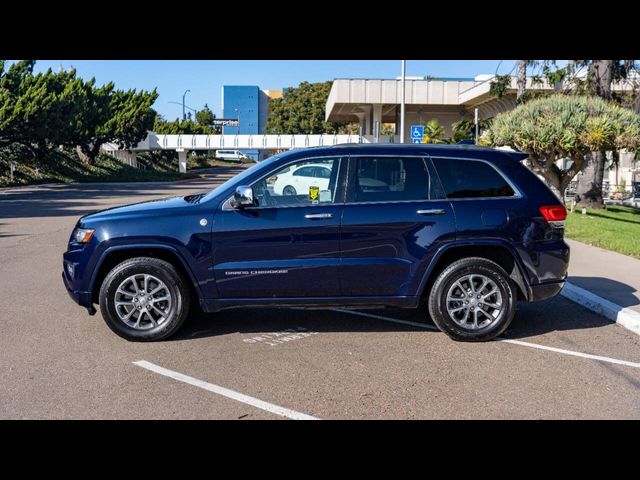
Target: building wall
(446, 119)
(627, 172)
(263, 110)
(246, 99)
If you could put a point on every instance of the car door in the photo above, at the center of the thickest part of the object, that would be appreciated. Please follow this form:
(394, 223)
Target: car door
(286, 246)
(302, 178)
(394, 220)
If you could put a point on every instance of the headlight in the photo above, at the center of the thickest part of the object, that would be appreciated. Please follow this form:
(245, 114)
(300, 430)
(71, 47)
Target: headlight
(82, 235)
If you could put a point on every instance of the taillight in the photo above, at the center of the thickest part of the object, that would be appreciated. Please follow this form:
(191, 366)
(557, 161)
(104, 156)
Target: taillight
(554, 214)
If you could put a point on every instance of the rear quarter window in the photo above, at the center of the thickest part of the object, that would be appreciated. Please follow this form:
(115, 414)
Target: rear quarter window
(471, 179)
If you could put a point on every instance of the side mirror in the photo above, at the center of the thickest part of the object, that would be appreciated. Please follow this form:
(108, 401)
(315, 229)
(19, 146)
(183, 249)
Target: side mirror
(243, 197)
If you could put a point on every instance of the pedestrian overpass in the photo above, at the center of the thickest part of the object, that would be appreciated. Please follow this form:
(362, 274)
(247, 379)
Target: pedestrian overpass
(186, 143)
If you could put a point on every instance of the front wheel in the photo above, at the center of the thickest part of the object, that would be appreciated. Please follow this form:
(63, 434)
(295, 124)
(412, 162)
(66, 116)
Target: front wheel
(473, 300)
(144, 299)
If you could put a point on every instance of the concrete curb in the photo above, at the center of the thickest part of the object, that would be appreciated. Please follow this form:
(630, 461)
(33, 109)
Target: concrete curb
(626, 317)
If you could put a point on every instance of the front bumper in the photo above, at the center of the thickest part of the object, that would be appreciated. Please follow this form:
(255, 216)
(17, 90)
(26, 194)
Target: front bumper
(81, 298)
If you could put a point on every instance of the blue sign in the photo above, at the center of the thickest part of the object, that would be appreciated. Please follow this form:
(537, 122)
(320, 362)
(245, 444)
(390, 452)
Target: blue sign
(417, 131)
(417, 140)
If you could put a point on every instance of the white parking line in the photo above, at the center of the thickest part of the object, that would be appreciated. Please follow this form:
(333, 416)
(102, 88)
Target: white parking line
(504, 340)
(225, 392)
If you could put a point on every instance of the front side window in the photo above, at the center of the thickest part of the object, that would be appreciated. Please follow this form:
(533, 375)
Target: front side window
(380, 179)
(471, 179)
(299, 184)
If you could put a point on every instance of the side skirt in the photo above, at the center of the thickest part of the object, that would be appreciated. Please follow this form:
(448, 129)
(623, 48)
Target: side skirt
(215, 305)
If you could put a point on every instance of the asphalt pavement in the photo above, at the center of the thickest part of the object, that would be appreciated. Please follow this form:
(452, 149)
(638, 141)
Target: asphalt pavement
(556, 360)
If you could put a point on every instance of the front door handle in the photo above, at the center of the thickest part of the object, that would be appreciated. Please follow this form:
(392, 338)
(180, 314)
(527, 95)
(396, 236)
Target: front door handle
(318, 216)
(431, 211)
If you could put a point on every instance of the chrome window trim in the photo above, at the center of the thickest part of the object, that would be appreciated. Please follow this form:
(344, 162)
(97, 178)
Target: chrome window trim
(518, 194)
(319, 205)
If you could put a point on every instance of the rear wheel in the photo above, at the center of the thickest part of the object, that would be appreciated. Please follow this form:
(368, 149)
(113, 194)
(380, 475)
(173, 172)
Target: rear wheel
(473, 299)
(289, 190)
(144, 299)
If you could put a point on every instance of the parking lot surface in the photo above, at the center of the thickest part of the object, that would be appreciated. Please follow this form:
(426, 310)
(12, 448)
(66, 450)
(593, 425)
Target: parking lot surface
(556, 360)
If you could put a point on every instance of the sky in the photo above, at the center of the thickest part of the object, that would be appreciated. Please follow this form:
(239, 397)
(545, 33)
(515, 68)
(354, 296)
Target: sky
(204, 78)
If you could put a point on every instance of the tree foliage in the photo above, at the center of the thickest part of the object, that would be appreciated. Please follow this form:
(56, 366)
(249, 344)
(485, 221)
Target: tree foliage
(205, 116)
(48, 110)
(301, 110)
(203, 124)
(433, 132)
(121, 117)
(558, 127)
(465, 129)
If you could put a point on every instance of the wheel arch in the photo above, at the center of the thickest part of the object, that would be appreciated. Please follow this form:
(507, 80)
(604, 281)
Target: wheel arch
(497, 251)
(117, 254)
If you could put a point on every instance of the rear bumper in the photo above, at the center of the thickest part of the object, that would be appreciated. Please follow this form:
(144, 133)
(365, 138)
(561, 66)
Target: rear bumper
(544, 291)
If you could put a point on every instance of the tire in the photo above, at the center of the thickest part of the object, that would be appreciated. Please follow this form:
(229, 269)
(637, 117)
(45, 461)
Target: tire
(472, 271)
(289, 190)
(169, 314)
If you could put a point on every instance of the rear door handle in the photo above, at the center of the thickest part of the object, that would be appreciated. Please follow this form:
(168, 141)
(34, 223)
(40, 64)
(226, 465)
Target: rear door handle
(431, 211)
(318, 216)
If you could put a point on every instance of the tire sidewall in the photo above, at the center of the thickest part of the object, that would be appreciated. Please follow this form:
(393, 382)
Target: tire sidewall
(163, 271)
(438, 299)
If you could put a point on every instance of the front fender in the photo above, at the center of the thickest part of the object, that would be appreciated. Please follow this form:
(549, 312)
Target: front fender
(104, 254)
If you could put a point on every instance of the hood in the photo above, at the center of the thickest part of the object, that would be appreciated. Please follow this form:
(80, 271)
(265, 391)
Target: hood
(149, 208)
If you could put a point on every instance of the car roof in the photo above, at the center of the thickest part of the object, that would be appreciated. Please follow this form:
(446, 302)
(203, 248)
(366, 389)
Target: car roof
(431, 149)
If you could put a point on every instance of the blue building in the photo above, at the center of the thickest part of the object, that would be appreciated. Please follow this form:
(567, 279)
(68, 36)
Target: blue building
(249, 105)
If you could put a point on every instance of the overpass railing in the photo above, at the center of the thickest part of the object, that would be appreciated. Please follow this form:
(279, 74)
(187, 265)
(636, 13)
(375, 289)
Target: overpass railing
(156, 141)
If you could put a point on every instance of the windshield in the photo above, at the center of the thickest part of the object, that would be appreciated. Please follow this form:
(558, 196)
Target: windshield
(241, 176)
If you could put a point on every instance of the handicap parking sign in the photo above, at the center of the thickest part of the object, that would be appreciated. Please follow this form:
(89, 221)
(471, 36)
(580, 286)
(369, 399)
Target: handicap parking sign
(417, 131)
(417, 140)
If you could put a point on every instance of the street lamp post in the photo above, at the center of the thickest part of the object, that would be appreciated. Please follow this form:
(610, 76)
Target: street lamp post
(238, 115)
(402, 102)
(184, 116)
(475, 118)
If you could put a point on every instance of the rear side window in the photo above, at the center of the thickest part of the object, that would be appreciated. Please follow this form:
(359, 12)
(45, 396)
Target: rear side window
(471, 179)
(322, 172)
(304, 172)
(391, 179)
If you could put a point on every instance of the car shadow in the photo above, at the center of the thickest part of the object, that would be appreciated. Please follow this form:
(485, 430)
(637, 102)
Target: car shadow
(617, 292)
(531, 319)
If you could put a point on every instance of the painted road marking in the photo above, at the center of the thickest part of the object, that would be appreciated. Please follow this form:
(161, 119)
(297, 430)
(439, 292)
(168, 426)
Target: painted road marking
(274, 339)
(225, 392)
(500, 339)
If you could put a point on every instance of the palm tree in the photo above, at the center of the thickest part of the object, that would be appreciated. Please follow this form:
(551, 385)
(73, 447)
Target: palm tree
(433, 132)
(522, 78)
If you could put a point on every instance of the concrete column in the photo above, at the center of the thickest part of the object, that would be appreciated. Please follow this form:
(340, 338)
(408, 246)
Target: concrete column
(377, 117)
(361, 122)
(182, 159)
(367, 122)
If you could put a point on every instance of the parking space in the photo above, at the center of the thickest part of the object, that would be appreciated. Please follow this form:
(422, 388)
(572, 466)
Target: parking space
(557, 360)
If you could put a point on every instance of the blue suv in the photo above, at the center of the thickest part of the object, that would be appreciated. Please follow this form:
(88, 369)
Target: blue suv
(468, 230)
